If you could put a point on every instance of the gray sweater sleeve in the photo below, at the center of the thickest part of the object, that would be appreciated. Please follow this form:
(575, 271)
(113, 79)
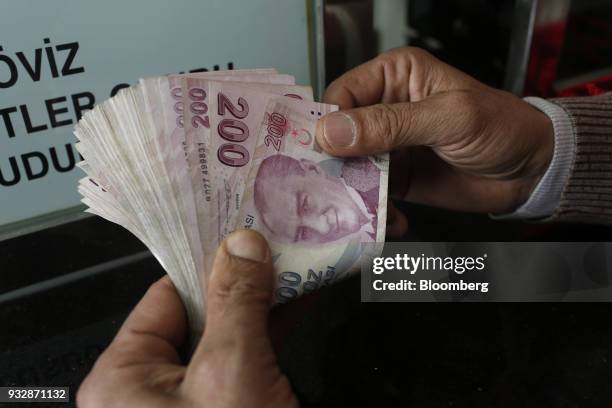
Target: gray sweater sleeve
(587, 194)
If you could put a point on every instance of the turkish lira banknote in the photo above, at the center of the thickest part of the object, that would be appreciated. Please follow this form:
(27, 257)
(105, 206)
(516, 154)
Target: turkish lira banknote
(181, 161)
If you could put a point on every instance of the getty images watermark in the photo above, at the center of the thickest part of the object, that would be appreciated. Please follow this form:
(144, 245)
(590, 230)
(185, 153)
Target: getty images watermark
(488, 271)
(413, 264)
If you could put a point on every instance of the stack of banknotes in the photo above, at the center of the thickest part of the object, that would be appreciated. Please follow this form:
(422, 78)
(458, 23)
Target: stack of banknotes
(183, 160)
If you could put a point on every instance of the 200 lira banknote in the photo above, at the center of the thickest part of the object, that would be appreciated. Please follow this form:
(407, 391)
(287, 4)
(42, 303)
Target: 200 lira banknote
(183, 160)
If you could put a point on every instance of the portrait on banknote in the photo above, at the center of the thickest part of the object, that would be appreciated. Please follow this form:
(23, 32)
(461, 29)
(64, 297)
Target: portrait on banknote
(302, 201)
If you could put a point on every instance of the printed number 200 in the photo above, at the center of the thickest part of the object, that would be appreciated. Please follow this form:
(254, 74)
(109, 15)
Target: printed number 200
(234, 131)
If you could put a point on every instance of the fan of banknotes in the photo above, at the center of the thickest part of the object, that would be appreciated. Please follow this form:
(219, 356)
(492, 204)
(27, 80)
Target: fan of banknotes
(183, 160)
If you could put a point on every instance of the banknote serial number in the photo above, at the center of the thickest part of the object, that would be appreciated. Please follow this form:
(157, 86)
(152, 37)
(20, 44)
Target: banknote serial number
(30, 394)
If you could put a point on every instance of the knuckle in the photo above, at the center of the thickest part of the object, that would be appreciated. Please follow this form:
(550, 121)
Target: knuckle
(241, 288)
(418, 54)
(389, 57)
(240, 293)
(410, 70)
(401, 52)
(413, 54)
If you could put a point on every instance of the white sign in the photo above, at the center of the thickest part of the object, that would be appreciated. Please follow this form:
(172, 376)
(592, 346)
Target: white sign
(59, 58)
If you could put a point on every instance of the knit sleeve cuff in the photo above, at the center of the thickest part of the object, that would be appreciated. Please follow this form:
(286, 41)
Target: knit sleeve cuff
(546, 197)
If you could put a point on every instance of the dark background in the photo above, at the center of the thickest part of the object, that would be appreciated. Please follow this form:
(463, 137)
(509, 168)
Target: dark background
(77, 282)
(343, 351)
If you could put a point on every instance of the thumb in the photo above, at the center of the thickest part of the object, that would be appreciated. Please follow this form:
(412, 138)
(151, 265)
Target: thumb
(239, 295)
(382, 128)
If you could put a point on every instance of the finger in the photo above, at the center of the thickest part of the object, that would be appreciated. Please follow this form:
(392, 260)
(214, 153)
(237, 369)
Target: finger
(386, 127)
(239, 295)
(153, 330)
(400, 75)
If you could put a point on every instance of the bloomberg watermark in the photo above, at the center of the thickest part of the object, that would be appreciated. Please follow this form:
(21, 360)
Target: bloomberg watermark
(413, 264)
(488, 271)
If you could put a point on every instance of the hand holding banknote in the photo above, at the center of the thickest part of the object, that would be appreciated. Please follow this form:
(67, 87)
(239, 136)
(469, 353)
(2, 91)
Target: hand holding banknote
(456, 143)
(234, 365)
(181, 161)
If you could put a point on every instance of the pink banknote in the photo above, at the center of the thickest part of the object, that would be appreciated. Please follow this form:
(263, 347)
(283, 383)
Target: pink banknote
(317, 211)
(183, 160)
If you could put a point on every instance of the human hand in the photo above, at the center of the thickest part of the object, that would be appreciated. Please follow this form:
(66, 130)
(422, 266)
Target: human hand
(234, 364)
(456, 143)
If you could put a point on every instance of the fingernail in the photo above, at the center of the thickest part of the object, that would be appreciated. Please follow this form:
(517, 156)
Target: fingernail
(248, 245)
(339, 129)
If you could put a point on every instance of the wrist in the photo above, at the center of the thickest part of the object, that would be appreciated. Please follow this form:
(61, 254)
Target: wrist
(543, 199)
(543, 137)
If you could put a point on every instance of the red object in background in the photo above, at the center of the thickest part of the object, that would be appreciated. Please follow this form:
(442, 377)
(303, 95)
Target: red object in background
(547, 42)
(586, 36)
(596, 87)
(547, 46)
